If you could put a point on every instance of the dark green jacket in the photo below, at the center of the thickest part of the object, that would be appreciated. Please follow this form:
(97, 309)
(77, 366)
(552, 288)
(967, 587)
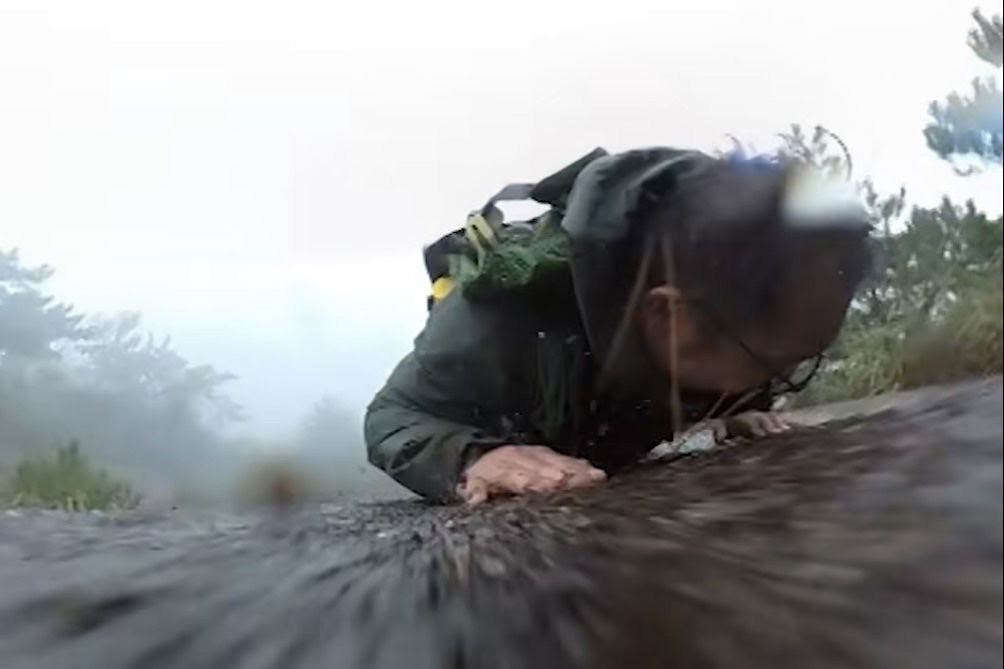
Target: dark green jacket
(522, 368)
(481, 376)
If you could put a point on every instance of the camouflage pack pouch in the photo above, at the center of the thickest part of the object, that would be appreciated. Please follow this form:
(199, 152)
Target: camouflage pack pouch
(489, 256)
(521, 255)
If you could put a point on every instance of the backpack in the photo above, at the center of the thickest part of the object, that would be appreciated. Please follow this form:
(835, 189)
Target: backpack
(490, 256)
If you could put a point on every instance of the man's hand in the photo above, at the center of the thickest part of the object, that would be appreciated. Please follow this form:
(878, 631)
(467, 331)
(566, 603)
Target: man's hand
(752, 424)
(519, 469)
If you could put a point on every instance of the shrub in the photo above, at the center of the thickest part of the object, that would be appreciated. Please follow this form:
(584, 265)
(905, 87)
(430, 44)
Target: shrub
(963, 342)
(65, 480)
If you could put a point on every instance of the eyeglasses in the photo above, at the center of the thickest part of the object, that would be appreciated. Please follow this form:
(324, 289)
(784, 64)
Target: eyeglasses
(783, 380)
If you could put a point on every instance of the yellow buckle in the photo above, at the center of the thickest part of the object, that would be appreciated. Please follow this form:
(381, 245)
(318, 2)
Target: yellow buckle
(441, 287)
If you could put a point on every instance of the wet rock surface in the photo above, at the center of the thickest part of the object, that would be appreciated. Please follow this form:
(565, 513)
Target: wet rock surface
(864, 542)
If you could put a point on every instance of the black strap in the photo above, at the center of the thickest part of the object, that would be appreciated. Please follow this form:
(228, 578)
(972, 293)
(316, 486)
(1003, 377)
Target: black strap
(510, 193)
(552, 190)
(778, 380)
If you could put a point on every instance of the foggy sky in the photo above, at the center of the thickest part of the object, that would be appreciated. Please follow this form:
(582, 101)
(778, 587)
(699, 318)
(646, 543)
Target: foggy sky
(259, 178)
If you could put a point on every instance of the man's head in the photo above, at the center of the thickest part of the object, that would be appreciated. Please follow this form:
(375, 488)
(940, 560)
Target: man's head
(743, 282)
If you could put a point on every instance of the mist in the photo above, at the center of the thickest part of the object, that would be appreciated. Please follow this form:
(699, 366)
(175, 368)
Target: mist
(257, 180)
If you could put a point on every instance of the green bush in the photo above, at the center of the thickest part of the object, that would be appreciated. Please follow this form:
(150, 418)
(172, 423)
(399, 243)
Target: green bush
(871, 365)
(65, 480)
(964, 341)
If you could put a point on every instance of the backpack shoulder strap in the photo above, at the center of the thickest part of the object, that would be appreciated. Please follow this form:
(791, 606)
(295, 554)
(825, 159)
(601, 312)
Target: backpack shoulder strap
(510, 193)
(554, 189)
(487, 221)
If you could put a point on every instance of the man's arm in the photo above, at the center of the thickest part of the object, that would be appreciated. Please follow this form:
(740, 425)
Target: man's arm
(408, 437)
(435, 423)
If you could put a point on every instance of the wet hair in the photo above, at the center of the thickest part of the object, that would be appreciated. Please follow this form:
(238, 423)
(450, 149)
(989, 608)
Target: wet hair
(722, 238)
(721, 234)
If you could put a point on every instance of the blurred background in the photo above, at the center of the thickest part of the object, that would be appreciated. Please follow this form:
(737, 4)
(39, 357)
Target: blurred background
(212, 213)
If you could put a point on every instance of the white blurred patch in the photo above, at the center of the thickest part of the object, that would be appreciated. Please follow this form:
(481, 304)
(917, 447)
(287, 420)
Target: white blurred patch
(813, 197)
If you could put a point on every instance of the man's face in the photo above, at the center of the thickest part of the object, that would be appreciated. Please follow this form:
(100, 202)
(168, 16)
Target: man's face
(714, 355)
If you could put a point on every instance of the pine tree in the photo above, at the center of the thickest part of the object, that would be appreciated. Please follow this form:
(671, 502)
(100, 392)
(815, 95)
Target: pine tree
(969, 126)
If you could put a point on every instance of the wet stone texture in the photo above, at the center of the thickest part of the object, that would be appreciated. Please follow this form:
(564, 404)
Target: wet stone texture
(864, 542)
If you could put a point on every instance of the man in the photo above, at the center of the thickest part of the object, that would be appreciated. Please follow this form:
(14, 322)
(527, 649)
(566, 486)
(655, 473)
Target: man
(679, 287)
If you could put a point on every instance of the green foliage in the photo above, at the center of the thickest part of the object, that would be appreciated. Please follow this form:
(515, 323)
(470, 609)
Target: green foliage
(123, 360)
(940, 254)
(931, 311)
(816, 150)
(65, 480)
(864, 361)
(965, 342)
(987, 39)
(140, 403)
(872, 358)
(971, 125)
(968, 124)
(31, 323)
(524, 256)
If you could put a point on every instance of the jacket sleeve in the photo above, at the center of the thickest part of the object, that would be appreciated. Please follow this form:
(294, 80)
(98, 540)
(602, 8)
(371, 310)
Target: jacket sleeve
(437, 411)
(407, 436)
